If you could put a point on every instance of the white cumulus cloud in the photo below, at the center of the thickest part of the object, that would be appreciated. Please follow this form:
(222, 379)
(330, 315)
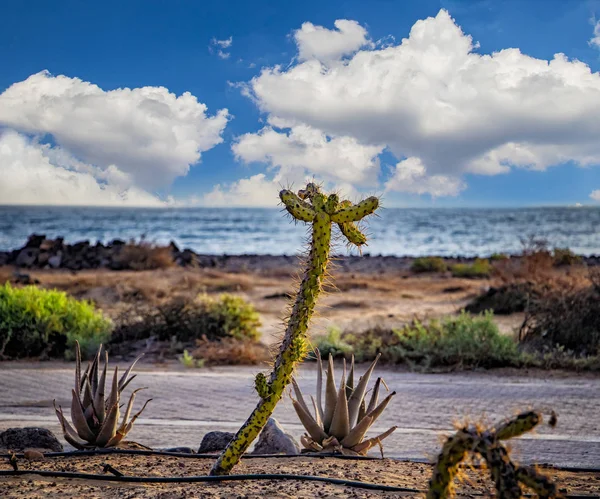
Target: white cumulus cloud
(33, 173)
(305, 148)
(328, 45)
(433, 99)
(595, 195)
(411, 176)
(133, 140)
(149, 132)
(254, 191)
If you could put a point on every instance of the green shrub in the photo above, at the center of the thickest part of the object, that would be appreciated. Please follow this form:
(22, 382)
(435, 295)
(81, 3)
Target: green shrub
(479, 268)
(332, 343)
(188, 360)
(462, 341)
(498, 257)
(37, 322)
(186, 320)
(465, 341)
(565, 257)
(429, 264)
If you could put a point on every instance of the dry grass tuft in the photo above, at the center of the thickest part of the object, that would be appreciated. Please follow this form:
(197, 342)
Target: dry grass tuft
(566, 315)
(230, 351)
(145, 256)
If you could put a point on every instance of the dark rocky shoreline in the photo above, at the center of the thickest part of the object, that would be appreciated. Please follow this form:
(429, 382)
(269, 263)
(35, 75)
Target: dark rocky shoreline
(41, 253)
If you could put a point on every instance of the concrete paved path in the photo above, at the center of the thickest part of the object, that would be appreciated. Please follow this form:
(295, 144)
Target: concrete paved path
(189, 403)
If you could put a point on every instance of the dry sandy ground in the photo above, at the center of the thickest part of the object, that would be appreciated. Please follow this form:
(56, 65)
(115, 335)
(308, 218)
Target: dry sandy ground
(377, 295)
(381, 294)
(387, 472)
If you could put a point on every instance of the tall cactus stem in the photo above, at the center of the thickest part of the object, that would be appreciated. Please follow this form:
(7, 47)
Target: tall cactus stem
(310, 206)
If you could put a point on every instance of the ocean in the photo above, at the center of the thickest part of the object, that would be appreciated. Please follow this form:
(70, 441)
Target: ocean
(397, 231)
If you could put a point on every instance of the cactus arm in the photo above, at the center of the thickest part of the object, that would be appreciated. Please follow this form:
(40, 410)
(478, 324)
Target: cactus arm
(537, 482)
(446, 466)
(332, 204)
(350, 230)
(354, 213)
(517, 426)
(502, 469)
(293, 347)
(261, 385)
(353, 234)
(297, 207)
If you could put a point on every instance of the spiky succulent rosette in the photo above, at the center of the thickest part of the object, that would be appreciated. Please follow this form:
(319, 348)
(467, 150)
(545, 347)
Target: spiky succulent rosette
(95, 416)
(342, 423)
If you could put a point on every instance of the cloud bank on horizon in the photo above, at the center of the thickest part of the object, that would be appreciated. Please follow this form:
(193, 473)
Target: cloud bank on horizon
(432, 101)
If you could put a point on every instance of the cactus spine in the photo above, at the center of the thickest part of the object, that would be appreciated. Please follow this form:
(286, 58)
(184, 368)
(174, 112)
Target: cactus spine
(310, 206)
(506, 475)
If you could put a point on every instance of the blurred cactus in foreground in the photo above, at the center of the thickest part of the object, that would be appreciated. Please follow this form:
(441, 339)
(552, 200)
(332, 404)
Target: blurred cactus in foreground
(321, 211)
(342, 424)
(507, 476)
(95, 417)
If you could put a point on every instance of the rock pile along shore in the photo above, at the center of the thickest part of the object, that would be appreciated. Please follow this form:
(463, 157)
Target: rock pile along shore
(42, 253)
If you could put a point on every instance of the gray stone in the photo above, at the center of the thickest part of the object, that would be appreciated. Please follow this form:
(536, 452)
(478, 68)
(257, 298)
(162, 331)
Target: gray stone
(19, 439)
(35, 240)
(274, 440)
(215, 441)
(42, 258)
(55, 261)
(27, 257)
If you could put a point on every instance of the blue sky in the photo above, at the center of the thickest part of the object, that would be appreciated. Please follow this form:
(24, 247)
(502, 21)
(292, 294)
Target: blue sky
(433, 143)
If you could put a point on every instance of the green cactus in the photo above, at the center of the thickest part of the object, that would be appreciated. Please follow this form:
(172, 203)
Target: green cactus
(310, 206)
(487, 443)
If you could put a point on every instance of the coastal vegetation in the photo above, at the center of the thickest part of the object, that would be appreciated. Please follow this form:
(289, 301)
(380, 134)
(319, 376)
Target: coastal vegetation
(187, 320)
(556, 334)
(480, 268)
(43, 323)
(455, 342)
(428, 264)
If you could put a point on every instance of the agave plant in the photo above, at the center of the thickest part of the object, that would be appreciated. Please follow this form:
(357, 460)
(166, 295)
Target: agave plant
(342, 424)
(96, 417)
